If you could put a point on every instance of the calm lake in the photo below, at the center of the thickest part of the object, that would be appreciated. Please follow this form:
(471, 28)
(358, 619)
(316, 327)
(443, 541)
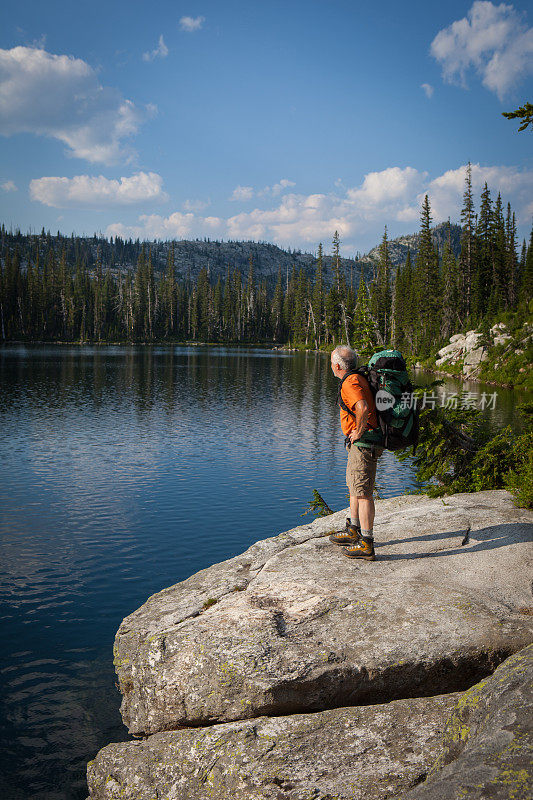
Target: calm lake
(124, 470)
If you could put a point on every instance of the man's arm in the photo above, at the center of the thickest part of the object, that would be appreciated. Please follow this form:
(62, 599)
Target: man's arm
(362, 412)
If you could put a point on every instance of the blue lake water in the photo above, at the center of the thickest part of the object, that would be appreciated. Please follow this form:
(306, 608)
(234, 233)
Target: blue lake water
(124, 470)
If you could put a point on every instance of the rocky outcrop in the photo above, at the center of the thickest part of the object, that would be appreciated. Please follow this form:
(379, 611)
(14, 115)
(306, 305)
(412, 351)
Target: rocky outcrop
(466, 349)
(484, 749)
(292, 638)
(488, 740)
(469, 350)
(365, 753)
(292, 625)
(500, 334)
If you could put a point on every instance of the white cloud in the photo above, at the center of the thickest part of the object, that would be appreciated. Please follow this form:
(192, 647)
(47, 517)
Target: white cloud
(196, 205)
(428, 89)
(84, 190)
(242, 193)
(392, 196)
(382, 190)
(277, 188)
(191, 24)
(39, 43)
(176, 226)
(298, 217)
(493, 40)
(245, 193)
(161, 51)
(61, 97)
(446, 191)
(9, 186)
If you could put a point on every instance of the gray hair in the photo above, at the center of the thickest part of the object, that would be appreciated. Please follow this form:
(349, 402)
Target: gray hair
(344, 357)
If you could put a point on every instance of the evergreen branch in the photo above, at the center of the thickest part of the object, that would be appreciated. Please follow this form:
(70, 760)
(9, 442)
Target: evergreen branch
(317, 506)
(463, 440)
(525, 113)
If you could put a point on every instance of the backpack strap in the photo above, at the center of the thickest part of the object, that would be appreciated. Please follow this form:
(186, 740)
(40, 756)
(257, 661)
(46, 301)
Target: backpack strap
(363, 371)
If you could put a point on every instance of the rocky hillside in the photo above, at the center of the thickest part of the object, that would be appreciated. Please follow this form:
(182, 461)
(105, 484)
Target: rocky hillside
(503, 354)
(292, 672)
(398, 247)
(268, 260)
(192, 255)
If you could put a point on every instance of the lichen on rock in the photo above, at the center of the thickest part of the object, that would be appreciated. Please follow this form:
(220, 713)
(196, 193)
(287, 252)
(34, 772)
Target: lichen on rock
(487, 747)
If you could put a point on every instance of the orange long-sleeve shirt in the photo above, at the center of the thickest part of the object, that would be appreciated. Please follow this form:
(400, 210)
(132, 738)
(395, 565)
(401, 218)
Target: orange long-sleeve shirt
(356, 388)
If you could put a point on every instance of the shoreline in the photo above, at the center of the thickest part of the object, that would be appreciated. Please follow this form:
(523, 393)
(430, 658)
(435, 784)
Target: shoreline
(473, 380)
(266, 345)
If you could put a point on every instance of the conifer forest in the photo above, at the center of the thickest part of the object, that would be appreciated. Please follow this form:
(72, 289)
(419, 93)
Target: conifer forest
(50, 291)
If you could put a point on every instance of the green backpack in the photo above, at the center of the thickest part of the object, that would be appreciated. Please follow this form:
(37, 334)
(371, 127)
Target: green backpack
(386, 373)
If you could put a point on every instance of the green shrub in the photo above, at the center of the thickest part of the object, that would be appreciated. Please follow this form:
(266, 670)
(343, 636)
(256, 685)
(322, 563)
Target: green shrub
(456, 454)
(519, 480)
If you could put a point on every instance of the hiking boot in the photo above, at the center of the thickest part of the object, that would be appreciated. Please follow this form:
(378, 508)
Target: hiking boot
(351, 535)
(363, 549)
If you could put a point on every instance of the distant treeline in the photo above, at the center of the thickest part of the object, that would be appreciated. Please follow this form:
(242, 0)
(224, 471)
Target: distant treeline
(70, 296)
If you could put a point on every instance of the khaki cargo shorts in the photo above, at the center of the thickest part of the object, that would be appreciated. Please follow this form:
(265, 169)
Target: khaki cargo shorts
(361, 470)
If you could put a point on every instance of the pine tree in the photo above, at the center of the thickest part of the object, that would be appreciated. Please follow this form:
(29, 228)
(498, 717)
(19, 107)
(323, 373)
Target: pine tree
(170, 292)
(526, 274)
(400, 303)
(317, 305)
(140, 294)
(394, 303)
(300, 323)
(30, 296)
(331, 316)
(498, 291)
(467, 243)
(511, 259)
(380, 295)
(98, 299)
(202, 305)
(217, 309)
(337, 261)
(250, 297)
(238, 298)
(481, 279)
(364, 334)
(409, 320)
(2, 300)
(451, 289)
(228, 307)
(64, 293)
(427, 283)
(150, 298)
(277, 309)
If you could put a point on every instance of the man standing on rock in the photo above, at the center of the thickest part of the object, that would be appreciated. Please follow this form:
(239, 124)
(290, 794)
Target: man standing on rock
(359, 423)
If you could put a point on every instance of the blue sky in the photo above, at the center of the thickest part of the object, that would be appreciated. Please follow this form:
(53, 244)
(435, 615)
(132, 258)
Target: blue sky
(274, 121)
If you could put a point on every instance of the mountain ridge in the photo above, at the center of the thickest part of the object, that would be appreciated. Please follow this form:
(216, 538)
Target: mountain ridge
(191, 256)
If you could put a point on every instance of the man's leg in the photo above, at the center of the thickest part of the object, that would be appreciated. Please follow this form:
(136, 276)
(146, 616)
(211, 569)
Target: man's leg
(367, 512)
(354, 507)
(364, 548)
(363, 509)
(361, 482)
(352, 534)
(353, 525)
